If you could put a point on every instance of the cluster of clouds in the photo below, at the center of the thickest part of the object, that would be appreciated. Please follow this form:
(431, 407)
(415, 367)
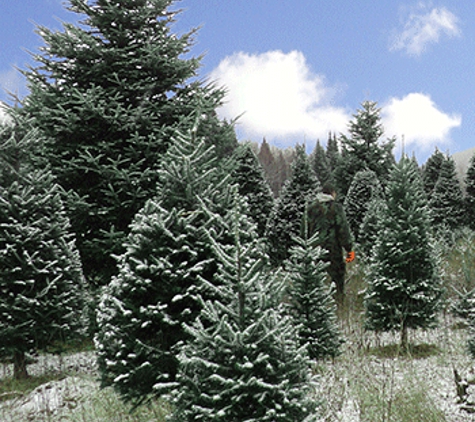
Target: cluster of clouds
(278, 96)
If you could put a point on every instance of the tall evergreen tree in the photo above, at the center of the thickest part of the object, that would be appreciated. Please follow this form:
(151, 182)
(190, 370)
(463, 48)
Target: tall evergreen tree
(285, 221)
(470, 194)
(320, 165)
(364, 187)
(332, 152)
(364, 149)
(243, 361)
(446, 201)
(311, 300)
(431, 171)
(108, 94)
(404, 285)
(247, 172)
(41, 278)
(143, 309)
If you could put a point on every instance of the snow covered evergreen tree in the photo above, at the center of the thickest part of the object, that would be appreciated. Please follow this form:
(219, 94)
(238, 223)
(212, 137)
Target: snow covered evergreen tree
(404, 285)
(247, 172)
(470, 194)
(446, 201)
(370, 227)
(41, 280)
(141, 312)
(243, 361)
(431, 171)
(108, 94)
(285, 221)
(364, 187)
(363, 149)
(311, 301)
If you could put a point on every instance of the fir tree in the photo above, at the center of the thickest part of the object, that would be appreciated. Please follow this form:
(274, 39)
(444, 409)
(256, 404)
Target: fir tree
(41, 278)
(311, 301)
(141, 313)
(371, 226)
(332, 152)
(404, 285)
(364, 187)
(249, 176)
(108, 94)
(320, 165)
(470, 194)
(243, 361)
(431, 171)
(446, 201)
(285, 221)
(364, 149)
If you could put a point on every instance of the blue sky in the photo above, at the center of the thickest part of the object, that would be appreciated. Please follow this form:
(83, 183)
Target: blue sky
(297, 70)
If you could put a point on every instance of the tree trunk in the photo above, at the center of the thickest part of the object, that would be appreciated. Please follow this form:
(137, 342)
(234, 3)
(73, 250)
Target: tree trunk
(19, 365)
(404, 344)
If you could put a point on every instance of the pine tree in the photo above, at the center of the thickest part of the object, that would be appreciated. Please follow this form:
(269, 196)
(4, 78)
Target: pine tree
(333, 152)
(243, 361)
(249, 176)
(108, 95)
(431, 171)
(311, 302)
(142, 311)
(446, 201)
(364, 187)
(470, 194)
(320, 165)
(404, 285)
(371, 226)
(363, 149)
(285, 221)
(41, 278)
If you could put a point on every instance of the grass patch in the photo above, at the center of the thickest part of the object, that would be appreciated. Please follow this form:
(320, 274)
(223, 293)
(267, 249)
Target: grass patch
(413, 351)
(12, 388)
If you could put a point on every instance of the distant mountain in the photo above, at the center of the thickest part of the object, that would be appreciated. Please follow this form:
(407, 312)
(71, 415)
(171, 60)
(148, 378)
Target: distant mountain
(462, 160)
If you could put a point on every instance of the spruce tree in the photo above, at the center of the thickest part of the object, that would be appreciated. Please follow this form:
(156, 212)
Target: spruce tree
(108, 94)
(247, 172)
(41, 278)
(404, 289)
(370, 227)
(311, 301)
(333, 152)
(470, 194)
(446, 201)
(364, 187)
(285, 221)
(431, 171)
(243, 361)
(320, 165)
(364, 148)
(143, 309)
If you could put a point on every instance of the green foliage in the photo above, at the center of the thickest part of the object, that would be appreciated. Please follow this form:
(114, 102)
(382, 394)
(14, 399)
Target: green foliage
(469, 205)
(404, 285)
(41, 278)
(431, 171)
(243, 361)
(108, 94)
(321, 165)
(249, 175)
(363, 149)
(285, 221)
(310, 299)
(141, 313)
(364, 188)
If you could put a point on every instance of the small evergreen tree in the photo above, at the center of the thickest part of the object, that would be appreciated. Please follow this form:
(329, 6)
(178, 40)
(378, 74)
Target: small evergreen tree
(470, 194)
(247, 172)
(284, 223)
(141, 312)
(431, 171)
(311, 301)
(243, 361)
(404, 285)
(363, 149)
(364, 187)
(41, 278)
(446, 202)
(108, 94)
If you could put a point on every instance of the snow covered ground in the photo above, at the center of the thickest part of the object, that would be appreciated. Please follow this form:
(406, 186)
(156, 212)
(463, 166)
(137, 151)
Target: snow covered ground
(368, 382)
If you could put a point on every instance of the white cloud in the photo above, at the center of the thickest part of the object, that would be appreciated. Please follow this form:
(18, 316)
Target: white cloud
(278, 96)
(424, 28)
(417, 118)
(12, 81)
